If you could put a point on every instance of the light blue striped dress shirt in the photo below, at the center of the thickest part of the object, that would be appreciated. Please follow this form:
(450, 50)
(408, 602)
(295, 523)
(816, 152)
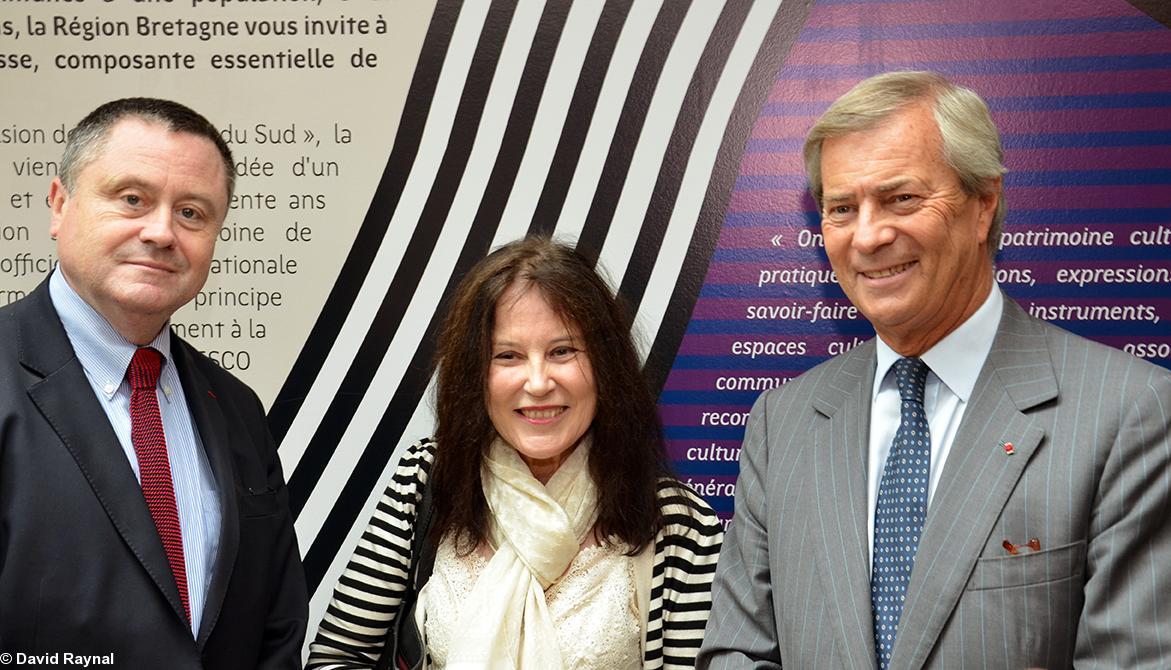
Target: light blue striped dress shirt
(105, 355)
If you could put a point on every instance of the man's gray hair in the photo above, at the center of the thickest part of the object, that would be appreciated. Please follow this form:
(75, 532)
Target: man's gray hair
(971, 143)
(87, 140)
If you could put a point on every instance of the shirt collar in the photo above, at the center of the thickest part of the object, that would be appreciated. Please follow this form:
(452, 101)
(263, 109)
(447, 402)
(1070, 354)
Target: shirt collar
(958, 358)
(104, 354)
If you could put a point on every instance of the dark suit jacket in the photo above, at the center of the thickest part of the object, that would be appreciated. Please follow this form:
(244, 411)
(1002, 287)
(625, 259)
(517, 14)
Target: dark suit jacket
(1089, 476)
(82, 568)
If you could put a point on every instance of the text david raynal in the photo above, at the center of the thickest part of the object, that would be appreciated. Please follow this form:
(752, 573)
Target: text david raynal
(59, 658)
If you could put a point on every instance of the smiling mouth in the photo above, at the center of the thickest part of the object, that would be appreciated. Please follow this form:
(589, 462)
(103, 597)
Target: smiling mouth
(888, 272)
(150, 265)
(541, 413)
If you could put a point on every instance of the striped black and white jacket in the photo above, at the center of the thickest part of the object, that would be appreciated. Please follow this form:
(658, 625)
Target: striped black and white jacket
(369, 591)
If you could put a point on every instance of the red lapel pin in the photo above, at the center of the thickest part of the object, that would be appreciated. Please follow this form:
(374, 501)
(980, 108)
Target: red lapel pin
(1008, 448)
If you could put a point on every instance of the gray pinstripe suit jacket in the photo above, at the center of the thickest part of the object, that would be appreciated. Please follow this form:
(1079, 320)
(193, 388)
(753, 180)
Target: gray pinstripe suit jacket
(1090, 478)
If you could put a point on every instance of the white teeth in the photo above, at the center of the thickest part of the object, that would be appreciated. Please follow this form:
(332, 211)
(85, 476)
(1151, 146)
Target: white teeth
(888, 272)
(542, 413)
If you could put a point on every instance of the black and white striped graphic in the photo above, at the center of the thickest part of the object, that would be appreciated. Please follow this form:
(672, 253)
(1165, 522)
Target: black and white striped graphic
(618, 124)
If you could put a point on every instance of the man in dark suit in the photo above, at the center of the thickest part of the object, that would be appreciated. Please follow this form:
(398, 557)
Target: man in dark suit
(143, 514)
(972, 488)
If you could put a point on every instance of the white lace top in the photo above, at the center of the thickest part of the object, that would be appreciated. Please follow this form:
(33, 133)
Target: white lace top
(592, 606)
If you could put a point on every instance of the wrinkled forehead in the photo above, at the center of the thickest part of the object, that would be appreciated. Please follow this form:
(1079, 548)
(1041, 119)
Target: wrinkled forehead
(133, 134)
(150, 154)
(903, 146)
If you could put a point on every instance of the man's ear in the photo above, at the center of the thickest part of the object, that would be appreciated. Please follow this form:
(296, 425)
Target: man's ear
(58, 196)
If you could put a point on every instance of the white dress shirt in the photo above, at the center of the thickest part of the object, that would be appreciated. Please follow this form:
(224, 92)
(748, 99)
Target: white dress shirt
(955, 363)
(105, 355)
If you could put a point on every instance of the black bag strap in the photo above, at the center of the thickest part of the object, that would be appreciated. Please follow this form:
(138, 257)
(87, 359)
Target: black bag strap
(422, 551)
(403, 648)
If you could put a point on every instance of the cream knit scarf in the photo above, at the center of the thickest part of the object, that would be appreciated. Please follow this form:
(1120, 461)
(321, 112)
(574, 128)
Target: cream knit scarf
(536, 531)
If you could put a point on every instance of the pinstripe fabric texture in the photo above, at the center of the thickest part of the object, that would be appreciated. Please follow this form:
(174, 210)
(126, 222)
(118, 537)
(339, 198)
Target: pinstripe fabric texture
(370, 589)
(1089, 476)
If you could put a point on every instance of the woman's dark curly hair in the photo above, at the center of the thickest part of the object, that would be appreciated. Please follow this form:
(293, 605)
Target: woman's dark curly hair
(627, 457)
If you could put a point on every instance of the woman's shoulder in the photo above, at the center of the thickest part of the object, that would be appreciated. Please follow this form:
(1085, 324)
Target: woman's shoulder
(409, 479)
(685, 514)
(420, 452)
(416, 461)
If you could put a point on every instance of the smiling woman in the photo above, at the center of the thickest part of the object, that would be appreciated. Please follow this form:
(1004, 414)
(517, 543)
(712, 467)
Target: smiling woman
(541, 391)
(552, 501)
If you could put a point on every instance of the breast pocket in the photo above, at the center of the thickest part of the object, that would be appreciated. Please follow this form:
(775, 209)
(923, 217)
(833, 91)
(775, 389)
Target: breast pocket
(257, 502)
(1024, 606)
(1026, 569)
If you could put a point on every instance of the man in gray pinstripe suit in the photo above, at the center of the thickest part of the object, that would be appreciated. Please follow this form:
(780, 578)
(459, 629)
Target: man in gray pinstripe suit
(1046, 540)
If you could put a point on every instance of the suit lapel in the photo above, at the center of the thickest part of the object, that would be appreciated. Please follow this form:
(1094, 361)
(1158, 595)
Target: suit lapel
(213, 434)
(840, 452)
(977, 479)
(66, 400)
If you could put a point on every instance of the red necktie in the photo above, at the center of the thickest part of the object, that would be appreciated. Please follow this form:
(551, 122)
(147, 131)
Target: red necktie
(154, 468)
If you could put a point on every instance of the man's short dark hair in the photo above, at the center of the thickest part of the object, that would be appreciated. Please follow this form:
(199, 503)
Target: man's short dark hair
(88, 138)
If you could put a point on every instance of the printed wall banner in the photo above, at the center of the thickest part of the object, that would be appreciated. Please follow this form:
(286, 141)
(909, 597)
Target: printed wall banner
(385, 147)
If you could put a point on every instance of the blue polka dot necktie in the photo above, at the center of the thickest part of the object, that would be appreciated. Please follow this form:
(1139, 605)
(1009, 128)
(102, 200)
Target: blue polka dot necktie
(901, 509)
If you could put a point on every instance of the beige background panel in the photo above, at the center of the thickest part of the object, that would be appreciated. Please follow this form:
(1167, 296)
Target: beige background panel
(314, 140)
